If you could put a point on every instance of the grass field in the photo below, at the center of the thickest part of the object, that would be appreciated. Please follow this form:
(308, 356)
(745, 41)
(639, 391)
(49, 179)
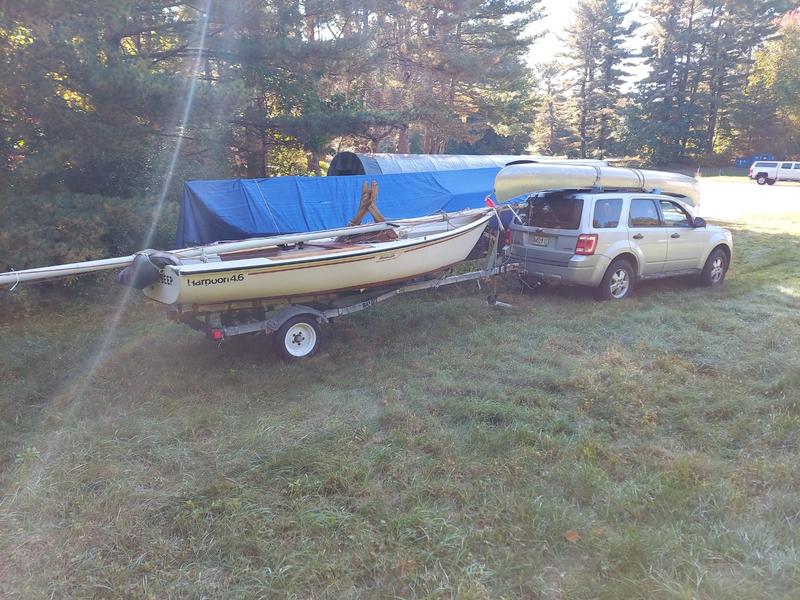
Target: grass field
(723, 174)
(438, 448)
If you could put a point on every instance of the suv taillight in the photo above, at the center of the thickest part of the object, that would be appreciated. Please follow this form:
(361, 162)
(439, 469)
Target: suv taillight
(587, 243)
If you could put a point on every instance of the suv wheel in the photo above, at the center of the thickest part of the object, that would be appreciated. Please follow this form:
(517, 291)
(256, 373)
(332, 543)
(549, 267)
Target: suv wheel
(618, 281)
(715, 268)
(761, 179)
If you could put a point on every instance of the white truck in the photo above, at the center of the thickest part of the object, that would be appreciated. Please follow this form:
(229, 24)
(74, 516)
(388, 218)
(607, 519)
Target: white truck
(770, 171)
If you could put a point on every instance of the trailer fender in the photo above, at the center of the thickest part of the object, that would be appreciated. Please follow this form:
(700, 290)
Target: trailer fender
(280, 317)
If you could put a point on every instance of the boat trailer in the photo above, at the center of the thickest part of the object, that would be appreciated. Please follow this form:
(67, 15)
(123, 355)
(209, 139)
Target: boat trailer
(295, 323)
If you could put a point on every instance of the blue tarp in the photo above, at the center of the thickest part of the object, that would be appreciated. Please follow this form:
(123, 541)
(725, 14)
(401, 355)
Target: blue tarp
(234, 209)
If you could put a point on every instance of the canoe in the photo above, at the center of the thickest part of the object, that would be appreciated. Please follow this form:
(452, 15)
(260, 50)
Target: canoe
(517, 180)
(321, 266)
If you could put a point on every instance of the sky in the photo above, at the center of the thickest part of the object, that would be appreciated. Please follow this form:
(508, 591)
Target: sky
(557, 16)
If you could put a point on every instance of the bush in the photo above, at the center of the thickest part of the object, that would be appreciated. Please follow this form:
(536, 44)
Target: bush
(41, 230)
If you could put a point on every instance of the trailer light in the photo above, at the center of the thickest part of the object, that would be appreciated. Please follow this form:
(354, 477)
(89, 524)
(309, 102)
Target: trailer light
(587, 243)
(217, 335)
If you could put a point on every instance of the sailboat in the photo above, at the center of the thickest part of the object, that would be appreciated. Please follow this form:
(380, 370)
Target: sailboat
(353, 258)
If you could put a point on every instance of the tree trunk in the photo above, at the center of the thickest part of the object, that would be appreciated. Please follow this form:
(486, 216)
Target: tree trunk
(255, 153)
(428, 142)
(582, 125)
(713, 112)
(402, 140)
(312, 163)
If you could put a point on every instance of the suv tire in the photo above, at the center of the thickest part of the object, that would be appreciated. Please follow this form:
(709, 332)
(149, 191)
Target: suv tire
(715, 268)
(761, 179)
(618, 282)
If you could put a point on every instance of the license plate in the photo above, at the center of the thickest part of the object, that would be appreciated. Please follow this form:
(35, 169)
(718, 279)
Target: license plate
(541, 240)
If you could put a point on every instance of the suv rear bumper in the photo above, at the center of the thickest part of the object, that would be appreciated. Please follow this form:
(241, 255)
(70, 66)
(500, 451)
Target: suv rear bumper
(579, 270)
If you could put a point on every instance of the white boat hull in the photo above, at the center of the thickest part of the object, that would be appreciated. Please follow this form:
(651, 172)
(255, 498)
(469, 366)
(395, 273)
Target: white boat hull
(306, 274)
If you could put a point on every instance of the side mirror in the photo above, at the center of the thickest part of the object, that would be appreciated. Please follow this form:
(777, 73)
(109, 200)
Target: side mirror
(698, 222)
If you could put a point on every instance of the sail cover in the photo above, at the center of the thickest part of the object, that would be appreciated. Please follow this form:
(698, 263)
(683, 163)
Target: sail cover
(234, 209)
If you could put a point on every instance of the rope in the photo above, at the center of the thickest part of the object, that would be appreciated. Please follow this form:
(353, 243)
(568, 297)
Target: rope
(597, 175)
(16, 283)
(513, 212)
(639, 177)
(445, 216)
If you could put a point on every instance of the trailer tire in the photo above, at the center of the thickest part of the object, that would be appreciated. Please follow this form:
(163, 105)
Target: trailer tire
(298, 338)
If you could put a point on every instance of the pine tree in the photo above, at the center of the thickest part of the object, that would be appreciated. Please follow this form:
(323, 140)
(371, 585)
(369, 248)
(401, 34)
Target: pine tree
(662, 126)
(596, 54)
(463, 65)
(615, 26)
(767, 116)
(83, 103)
(699, 55)
(583, 43)
(735, 31)
(552, 133)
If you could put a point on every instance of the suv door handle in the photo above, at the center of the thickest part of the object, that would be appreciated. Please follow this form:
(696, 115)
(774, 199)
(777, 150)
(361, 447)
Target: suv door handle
(638, 236)
(675, 236)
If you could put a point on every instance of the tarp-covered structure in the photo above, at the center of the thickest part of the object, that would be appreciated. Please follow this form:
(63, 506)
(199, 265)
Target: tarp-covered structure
(354, 163)
(233, 209)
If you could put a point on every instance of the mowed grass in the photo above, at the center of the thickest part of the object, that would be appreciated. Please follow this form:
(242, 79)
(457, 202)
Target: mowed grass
(438, 448)
(731, 174)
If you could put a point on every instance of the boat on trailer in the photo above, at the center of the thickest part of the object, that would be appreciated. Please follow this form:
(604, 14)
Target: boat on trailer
(291, 284)
(405, 250)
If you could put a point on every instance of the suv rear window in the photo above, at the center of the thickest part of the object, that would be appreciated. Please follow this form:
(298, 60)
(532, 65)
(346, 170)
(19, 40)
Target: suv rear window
(606, 213)
(555, 212)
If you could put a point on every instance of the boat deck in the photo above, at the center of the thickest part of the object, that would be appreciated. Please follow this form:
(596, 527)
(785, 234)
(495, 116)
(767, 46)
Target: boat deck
(307, 249)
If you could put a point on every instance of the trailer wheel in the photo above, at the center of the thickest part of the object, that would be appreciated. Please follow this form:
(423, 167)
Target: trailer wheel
(297, 339)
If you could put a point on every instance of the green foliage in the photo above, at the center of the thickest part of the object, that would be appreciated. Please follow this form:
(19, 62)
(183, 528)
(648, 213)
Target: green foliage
(88, 103)
(597, 55)
(94, 91)
(65, 227)
(699, 57)
(767, 117)
(553, 132)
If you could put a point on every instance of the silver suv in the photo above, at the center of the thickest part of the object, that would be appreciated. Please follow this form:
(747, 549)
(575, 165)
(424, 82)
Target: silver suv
(611, 240)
